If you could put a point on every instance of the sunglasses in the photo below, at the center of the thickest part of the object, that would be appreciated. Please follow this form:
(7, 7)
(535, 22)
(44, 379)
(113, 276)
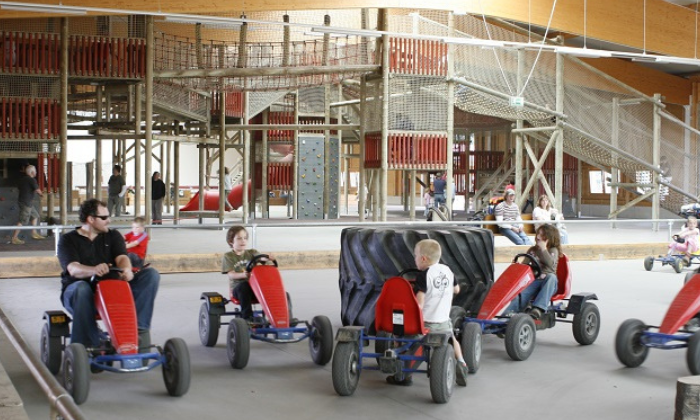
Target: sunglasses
(101, 217)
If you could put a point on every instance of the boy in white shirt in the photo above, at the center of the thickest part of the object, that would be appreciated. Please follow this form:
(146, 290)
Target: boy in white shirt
(435, 285)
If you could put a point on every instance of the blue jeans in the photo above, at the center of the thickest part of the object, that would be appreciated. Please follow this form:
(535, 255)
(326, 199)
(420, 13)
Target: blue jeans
(79, 301)
(564, 237)
(517, 238)
(540, 292)
(437, 199)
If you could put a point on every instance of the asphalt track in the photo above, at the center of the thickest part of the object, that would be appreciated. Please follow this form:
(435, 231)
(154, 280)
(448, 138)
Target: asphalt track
(560, 380)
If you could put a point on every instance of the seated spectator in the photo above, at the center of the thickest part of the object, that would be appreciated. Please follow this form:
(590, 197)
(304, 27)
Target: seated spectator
(508, 218)
(137, 242)
(544, 211)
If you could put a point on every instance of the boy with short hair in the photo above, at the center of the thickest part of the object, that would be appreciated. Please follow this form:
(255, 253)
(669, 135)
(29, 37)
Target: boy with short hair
(137, 242)
(435, 285)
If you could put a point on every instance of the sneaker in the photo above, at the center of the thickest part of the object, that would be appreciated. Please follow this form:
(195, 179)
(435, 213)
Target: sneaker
(461, 373)
(17, 241)
(536, 313)
(37, 236)
(407, 381)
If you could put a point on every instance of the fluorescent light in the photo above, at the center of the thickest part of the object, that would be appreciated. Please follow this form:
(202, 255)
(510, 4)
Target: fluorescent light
(204, 20)
(346, 31)
(43, 8)
(583, 52)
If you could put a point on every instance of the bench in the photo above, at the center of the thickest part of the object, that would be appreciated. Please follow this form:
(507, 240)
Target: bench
(529, 227)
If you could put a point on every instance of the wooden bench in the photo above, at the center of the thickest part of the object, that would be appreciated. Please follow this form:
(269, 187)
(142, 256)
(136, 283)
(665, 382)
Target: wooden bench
(529, 227)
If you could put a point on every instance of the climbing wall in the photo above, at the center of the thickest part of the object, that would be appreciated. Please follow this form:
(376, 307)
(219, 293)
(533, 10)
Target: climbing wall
(311, 175)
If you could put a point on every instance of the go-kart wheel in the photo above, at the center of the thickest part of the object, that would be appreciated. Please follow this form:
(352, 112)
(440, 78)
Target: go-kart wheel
(693, 353)
(176, 369)
(586, 324)
(471, 345)
(629, 348)
(238, 343)
(345, 369)
(292, 321)
(321, 340)
(648, 263)
(50, 350)
(76, 372)
(520, 337)
(457, 314)
(531, 261)
(689, 276)
(208, 326)
(678, 264)
(442, 373)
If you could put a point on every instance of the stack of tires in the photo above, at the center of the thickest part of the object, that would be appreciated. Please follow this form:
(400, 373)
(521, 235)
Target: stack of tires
(369, 256)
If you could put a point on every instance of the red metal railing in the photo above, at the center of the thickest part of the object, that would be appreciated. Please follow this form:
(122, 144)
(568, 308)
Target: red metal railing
(279, 176)
(27, 118)
(417, 56)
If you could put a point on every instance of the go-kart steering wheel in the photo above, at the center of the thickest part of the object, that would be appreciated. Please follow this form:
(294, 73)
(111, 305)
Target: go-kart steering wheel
(531, 261)
(113, 274)
(261, 259)
(678, 239)
(407, 271)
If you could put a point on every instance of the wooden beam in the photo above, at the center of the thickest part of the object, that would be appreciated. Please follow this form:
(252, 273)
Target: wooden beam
(272, 71)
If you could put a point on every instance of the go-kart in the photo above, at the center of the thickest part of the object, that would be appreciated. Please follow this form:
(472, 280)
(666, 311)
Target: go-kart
(677, 261)
(678, 329)
(402, 343)
(272, 318)
(519, 329)
(119, 347)
(692, 209)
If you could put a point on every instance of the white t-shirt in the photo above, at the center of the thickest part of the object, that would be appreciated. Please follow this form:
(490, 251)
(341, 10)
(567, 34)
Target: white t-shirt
(437, 282)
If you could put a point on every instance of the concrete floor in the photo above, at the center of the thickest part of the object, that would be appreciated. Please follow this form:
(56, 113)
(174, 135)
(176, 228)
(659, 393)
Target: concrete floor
(560, 380)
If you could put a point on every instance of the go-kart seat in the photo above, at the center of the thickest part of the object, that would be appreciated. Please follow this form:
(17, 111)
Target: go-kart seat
(397, 298)
(564, 277)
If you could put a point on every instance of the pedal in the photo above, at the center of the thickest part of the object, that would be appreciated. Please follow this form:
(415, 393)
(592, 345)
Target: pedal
(389, 364)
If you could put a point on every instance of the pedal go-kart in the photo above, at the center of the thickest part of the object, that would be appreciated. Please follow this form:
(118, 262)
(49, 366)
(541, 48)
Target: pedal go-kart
(119, 347)
(519, 330)
(401, 345)
(272, 318)
(677, 261)
(634, 338)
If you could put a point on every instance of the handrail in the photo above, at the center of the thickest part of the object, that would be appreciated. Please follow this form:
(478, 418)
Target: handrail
(61, 402)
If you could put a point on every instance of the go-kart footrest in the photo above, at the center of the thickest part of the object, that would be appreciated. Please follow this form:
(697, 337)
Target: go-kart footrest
(389, 363)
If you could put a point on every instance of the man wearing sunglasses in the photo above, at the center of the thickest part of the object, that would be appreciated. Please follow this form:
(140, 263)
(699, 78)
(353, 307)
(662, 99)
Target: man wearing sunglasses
(90, 250)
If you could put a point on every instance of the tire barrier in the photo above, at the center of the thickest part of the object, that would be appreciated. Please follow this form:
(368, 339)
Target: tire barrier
(370, 256)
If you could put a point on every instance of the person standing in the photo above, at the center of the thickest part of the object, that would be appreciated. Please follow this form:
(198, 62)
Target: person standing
(439, 185)
(157, 195)
(116, 190)
(28, 188)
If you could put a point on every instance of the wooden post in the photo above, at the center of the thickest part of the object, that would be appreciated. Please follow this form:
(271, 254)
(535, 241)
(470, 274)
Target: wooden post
(63, 190)
(222, 140)
(265, 162)
(295, 204)
(138, 93)
(383, 173)
(449, 194)
(656, 161)
(614, 172)
(149, 115)
(176, 187)
(688, 398)
(559, 147)
(98, 146)
(361, 205)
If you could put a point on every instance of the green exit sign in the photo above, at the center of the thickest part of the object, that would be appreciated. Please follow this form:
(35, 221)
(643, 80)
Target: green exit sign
(517, 101)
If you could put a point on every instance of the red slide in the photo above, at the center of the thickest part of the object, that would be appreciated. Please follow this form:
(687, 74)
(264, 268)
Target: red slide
(211, 199)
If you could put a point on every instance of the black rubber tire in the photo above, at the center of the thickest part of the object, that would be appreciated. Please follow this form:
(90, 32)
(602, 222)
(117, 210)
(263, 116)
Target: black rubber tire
(369, 256)
(688, 276)
(238, 343)
(76, 372)
(321, 340)
(345, 368)
(648, 263)
(586, 324)
(520, 337)
(51, 352)
(208, 326)
(628, 348)
(442, 373)
(692, 355)
(471, 346)
(176, 369)
(289, 308)
(678, 264)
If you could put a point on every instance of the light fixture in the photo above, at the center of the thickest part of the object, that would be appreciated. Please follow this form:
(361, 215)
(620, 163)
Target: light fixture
(43, 8)
(346, 31)
(205, 20)
(583, 52)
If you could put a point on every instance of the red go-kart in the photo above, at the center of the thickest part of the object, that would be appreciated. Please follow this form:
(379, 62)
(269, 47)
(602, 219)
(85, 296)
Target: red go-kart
(402, 343)
(272, 318)
(119, 347)
(678, 329)
(519, 329)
